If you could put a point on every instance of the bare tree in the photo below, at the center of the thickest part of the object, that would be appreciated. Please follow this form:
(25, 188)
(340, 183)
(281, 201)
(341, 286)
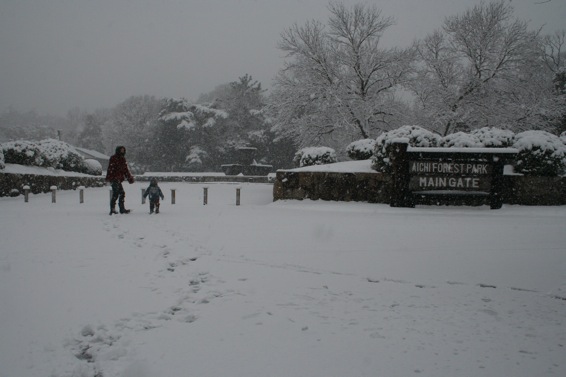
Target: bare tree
(338, 82)
(483, 68)
(553, 49)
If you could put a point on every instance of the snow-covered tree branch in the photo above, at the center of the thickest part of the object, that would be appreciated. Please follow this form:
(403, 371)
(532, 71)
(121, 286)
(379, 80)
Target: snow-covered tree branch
(483, 68)
(338, 81)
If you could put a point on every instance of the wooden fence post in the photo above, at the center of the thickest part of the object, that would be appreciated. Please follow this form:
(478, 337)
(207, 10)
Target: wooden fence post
(173, 196)
(53, 194)
(238, 189)
(26, 193)
(81, 194)
(205, 195)
(142, 198)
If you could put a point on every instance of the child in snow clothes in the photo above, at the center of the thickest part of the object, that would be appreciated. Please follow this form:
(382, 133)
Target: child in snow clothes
(154, 193)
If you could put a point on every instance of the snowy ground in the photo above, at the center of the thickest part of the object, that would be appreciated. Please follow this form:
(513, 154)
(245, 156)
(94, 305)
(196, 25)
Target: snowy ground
(290, 288)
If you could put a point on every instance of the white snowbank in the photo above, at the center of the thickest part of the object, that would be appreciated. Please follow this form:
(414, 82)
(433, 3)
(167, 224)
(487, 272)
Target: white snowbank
(23, 169)
(291, 288)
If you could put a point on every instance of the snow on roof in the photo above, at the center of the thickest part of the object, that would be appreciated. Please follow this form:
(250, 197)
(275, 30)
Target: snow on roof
(363, 166)
(92, 153)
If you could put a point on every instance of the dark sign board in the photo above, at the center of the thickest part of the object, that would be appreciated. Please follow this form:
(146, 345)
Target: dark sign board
(445, 175)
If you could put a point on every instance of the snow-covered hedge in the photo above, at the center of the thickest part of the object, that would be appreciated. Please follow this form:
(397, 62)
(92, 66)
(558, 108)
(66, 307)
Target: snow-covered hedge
(486, 137)
(491, 137)
(361, 149)
(417, 136)
(540, 153)
(22, 152)
(46, 153)
(460, 140)
(314, 156)
(60, 155)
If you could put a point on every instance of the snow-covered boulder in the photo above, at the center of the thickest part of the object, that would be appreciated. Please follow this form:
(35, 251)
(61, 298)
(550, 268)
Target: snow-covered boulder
(417, 136)
(314, 156)
(461, 140)
(492, 137)
(540, 153)
(361, 149)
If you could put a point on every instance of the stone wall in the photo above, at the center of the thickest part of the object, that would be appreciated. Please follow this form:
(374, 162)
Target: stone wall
(360, 187)
(376, 188)
(529, 190)
(42, 183)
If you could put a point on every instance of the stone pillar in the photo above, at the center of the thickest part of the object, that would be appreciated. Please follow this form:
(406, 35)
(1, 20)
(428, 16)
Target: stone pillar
(400, 194)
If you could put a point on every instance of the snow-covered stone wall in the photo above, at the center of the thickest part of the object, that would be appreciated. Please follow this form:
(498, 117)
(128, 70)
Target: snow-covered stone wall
(13, 183)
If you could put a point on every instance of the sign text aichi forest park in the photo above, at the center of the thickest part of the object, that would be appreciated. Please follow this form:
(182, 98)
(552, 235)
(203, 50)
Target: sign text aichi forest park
(450, 175)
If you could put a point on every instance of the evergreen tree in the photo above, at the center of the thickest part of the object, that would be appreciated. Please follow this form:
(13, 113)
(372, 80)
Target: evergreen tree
(186, 136)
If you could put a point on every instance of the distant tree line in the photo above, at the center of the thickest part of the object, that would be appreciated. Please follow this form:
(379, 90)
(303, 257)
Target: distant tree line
(168, 134)
(481, 68)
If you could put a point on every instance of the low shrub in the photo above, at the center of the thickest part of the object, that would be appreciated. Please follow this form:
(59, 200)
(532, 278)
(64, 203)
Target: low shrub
(93, 167)
(540, 153)
(361, 149)
(314, 156)
(416, 135)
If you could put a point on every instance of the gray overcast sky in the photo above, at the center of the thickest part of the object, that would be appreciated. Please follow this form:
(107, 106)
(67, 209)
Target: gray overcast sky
(58, 54)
